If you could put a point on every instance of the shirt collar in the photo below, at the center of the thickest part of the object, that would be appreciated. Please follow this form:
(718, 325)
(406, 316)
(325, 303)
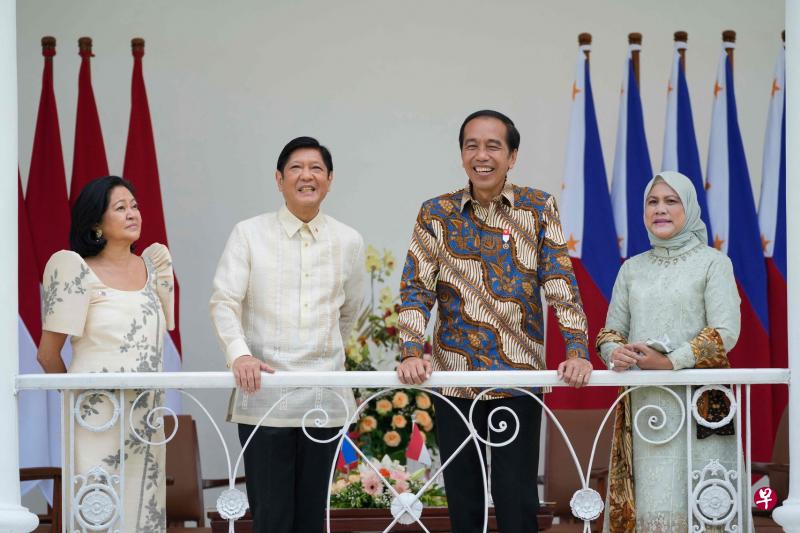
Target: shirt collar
(507, 193)
(291, 224)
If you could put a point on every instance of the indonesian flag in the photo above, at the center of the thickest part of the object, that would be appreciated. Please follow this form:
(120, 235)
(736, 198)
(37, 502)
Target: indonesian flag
(587, 220)
(46, 196)
(44, 222)
(141, 168)
(772, 221)
(89, 157)
(632, 169)
(416, 450)
(736, 233)
(34, 440)
(680, 143)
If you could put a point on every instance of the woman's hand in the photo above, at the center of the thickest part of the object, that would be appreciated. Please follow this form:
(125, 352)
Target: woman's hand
(650, 359)
(624, 357)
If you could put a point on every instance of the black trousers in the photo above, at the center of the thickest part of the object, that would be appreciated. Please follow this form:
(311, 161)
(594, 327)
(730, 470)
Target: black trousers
(514, 468)
(287, 477)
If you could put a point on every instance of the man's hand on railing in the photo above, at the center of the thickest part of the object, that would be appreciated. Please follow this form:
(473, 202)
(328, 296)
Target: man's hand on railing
(247, 371)
(575, 372)
(414, 370)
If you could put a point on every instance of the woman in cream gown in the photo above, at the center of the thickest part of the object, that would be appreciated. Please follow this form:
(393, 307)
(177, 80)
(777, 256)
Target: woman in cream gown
(116, 306)
(683, 293)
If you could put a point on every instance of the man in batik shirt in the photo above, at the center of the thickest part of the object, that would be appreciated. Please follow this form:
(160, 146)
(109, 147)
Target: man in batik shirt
(484, 254)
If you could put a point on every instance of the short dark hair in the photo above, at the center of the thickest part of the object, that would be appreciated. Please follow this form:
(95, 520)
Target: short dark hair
(300, 143)
(512, 133)
(88, 211)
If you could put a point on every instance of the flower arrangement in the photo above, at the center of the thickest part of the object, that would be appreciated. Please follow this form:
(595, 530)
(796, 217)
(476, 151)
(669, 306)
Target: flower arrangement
(376, 327)
(385, 425)
(365, 488)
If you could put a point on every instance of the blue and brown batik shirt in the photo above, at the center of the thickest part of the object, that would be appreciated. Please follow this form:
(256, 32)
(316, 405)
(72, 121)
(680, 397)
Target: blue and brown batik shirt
(486, 268)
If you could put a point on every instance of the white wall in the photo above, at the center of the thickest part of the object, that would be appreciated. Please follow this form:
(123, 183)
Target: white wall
(384, 84)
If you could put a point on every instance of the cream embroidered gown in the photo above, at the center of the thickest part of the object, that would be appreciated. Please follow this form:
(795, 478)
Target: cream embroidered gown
(112, 331)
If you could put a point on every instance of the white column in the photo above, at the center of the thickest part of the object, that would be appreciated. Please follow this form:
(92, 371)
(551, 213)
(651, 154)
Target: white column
(13, 517)
(788, 515)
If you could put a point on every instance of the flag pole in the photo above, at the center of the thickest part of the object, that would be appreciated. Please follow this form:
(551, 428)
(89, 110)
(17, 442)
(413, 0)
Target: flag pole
(13, 517)
(682, 37)
(729, 36)
(788, 515)
(585, 39)
(636, 39)
(85, 45)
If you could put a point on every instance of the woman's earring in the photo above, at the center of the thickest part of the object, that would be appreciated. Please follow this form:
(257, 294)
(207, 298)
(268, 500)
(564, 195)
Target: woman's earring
(98, 233)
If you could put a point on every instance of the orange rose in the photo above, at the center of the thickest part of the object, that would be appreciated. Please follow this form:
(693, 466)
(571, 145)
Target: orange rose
(400, 399)
(383, 406)
(339, 486)
(367, 424)
(392, 439)
(423, 401)
(399, 421)
(423, 419)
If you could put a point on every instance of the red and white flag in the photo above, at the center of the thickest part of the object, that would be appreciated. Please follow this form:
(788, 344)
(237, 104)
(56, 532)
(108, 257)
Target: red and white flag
(46, 196)
(44, 222)
(89, 156)
(141, 168)
(34, 439)
(416, 450)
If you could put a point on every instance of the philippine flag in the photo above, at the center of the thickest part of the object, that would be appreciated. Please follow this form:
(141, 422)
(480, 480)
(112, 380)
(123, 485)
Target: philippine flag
(588, 223)
(632, 168)
(736, 233)
(772, 221)
(348, 457)
(680, 143)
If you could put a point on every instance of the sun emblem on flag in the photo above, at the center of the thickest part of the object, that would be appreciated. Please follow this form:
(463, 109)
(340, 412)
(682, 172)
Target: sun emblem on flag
(572, 243)
(764, 243)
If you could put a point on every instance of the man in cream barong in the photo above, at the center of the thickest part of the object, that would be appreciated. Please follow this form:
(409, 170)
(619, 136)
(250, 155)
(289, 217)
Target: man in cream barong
(287, 291)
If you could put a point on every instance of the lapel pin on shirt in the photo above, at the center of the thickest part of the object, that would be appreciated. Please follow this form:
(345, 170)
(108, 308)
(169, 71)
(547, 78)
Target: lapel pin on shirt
(506, 237)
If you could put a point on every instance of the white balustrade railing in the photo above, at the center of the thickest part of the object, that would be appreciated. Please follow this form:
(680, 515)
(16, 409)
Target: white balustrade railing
(717, 495)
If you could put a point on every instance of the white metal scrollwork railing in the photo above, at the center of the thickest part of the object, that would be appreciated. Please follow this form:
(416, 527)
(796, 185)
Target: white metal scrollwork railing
(717, 494)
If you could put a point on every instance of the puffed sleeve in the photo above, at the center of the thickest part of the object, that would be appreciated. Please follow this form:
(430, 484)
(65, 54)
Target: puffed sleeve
(159, 255)
(66, 294)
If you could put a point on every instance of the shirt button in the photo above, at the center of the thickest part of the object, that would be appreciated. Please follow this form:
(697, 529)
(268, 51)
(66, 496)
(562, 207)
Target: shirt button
(306, 274)
(305, 244)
